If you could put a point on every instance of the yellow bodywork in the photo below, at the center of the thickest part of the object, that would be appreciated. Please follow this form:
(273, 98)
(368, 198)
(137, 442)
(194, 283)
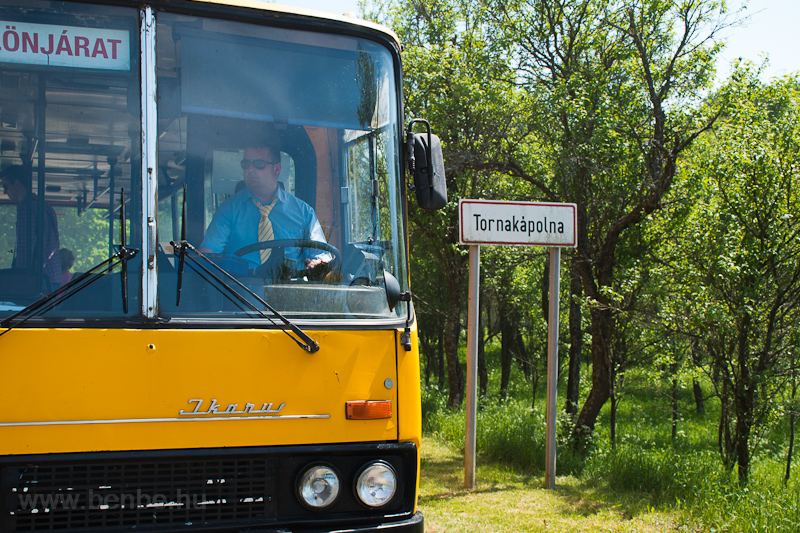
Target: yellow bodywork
(86, 390)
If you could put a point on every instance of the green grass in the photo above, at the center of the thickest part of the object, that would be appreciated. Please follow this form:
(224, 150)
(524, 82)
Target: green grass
(648, 482)
(508, 500)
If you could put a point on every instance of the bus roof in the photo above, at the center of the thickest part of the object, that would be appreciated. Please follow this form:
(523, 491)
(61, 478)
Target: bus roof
(263, 5)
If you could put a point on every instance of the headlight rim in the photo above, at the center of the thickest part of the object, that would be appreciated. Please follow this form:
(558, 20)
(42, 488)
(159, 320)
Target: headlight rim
(299, 485)
(397, 484)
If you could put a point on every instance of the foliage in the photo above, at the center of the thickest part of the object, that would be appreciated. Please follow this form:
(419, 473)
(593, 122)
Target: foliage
(8, 216)
(736, 264)
(510, 432)
(86, 235)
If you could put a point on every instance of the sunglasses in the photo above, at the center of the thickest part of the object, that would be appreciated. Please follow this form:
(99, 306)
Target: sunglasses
(260, 164)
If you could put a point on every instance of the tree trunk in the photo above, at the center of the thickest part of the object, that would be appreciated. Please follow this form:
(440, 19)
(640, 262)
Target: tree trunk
(792, 419)
(725, 440)
(440, 364)
(602, 323)
(523, 358)
(575, 341)
(536, 378)
(674, 398)
(697, 390)
(427, 355)
(506, 340)
(483, 375)
(743, 449)
(699, 401)
(744, 401)
(452, 332)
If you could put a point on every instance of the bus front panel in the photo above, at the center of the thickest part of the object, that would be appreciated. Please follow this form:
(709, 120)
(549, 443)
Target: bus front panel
(203, 271)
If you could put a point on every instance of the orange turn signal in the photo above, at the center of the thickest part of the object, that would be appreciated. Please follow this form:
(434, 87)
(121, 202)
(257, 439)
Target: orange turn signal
(368, 410)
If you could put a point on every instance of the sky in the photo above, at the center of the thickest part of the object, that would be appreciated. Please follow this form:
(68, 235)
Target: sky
(768, 32)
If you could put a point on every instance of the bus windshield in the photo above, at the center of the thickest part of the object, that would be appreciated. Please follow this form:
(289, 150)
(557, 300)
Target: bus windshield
(277, 165)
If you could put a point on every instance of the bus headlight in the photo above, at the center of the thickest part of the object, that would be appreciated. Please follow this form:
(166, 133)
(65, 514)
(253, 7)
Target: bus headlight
(376, 484)
(318, 486)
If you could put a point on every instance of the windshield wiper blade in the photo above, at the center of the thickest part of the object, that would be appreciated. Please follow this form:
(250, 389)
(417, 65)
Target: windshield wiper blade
(123, 273)
(49, 301)
(182, 253)
(305, 341)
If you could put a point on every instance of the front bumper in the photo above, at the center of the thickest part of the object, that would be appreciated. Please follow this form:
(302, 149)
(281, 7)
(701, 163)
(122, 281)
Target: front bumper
(415, 524)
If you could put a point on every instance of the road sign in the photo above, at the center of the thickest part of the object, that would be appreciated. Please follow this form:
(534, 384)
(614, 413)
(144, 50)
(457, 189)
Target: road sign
(522, 224)
(517, 223)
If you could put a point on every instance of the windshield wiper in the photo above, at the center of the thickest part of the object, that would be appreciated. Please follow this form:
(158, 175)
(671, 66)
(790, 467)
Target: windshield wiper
(74, 286)
(182, 252)
(49, 301)
(305, 342)
(123, 273)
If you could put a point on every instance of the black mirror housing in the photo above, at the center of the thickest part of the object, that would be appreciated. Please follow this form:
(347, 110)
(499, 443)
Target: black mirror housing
(392, 286)
(426, 164)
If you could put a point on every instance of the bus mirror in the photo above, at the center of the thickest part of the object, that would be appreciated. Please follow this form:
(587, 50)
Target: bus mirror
(426, 164)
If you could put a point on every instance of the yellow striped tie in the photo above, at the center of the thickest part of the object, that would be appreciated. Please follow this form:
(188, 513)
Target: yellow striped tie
(265, 227)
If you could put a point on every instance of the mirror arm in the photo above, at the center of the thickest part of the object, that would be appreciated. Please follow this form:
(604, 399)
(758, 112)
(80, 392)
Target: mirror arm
(412, 161)
(405, 337)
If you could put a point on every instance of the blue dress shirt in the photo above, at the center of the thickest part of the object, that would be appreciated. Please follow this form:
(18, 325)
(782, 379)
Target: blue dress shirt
(235, 225)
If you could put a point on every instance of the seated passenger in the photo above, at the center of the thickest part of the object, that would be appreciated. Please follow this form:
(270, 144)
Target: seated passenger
(67, 260)
(31, 241)
(263, 211)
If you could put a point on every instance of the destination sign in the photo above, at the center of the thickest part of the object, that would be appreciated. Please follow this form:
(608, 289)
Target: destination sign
(517, 223)
(64, 46)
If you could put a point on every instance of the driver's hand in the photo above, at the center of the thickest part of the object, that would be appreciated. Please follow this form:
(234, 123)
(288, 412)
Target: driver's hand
(311, 263)
(317, 269)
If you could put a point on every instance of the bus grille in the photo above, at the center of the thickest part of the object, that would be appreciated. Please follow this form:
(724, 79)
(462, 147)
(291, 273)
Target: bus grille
(137, 493)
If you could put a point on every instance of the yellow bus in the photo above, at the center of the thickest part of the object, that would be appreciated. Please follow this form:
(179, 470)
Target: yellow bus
(206, 321)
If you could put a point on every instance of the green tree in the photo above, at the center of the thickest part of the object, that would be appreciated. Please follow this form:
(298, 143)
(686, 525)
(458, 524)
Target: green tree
(740, 255)
(612, 92)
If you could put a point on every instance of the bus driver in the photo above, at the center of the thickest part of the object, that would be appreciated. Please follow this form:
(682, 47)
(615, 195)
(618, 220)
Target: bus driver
(263, 211)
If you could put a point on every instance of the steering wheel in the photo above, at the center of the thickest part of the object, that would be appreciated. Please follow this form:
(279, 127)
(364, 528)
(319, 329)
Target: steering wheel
(322, 269)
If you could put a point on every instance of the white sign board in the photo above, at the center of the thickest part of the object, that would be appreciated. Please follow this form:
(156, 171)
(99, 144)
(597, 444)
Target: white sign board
(517, 223)
(64, 46)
